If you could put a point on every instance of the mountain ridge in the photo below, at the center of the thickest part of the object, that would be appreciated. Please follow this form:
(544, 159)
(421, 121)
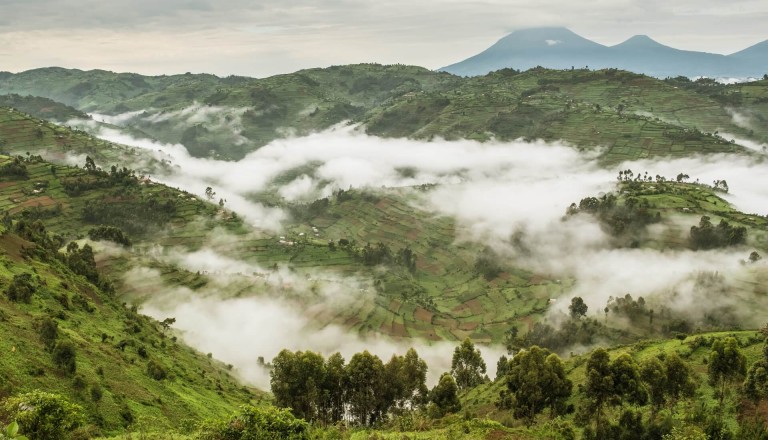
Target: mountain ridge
(561, 48)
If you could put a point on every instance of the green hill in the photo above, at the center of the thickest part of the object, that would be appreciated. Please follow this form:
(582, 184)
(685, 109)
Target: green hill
(630, 115)
(126, 370)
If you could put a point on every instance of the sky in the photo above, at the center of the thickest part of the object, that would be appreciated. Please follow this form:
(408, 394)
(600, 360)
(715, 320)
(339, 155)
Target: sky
(268, 37)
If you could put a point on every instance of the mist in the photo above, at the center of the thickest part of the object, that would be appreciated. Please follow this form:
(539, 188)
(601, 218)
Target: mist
(493, 190)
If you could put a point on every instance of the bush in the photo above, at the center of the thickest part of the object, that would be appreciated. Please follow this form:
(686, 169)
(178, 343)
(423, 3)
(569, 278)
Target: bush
(49, 332)
(156, 371)
(96, 392)
(64, 356)
(253, 423)
(21, 288)
(44, 416)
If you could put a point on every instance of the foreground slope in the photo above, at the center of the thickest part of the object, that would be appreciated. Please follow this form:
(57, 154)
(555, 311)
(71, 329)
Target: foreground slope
(126, 370)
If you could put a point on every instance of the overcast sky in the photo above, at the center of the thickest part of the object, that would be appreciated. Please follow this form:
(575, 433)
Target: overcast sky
(267, 37)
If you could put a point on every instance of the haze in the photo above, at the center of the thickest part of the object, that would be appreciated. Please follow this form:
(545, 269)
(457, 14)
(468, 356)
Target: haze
(271, 37)
(493, 190)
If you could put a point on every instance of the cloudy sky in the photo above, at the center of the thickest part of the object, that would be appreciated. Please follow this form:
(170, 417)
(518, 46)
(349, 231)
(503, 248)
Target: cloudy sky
(266, 37)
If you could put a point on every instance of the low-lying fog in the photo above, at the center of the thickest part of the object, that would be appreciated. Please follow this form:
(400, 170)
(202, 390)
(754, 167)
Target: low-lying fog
(492, 189)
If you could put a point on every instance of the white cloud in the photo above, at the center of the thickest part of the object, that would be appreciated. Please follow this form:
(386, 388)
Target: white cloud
(270, 37)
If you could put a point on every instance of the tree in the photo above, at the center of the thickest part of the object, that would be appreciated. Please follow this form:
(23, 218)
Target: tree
(756, 383)
(577, 308)
(654, 376)
(49, 332)
(537, 380)
(333, 390)
(467, 366)
(209, 193)
(599, 389)
(296, 380)
(627, 384)
(445, 396)
(502, 368)
(727, 364)
(44, 416)
(366, 385)
(414, 377)
(680, 381)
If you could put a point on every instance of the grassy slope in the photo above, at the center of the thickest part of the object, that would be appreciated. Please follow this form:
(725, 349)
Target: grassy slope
(41, 107)
(197, 387)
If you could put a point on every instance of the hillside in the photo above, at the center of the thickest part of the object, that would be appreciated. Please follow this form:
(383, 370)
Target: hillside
(124, 369)
(631, 115)
(344, 241)
(442, 290)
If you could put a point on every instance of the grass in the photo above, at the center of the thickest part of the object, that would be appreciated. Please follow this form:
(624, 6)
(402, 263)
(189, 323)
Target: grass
(97, 323)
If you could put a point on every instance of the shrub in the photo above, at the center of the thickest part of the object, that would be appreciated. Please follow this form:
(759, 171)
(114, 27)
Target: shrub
(64, 356)
(44, 416)
(21, 288)
(49, 332)
(253, 423)
(156, 371)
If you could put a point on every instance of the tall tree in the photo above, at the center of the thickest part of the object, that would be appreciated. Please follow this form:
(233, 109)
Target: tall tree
(654, 375)
(445, 396)
(577, 308)
(333, 390)
(366, 385)
(627, 384)
(681, 379)
(599, 388)
(727, 364)
(296, 381)
(537, 380)
(756, 383)
(467, 366)
(414, 378)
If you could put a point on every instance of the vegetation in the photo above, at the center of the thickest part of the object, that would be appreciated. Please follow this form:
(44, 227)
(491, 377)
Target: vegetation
(634, 116)
(108, 370)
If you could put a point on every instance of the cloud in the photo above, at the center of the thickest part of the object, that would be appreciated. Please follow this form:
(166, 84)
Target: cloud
(270, 37)
(495, 191)
(552, 42)
(260, 323)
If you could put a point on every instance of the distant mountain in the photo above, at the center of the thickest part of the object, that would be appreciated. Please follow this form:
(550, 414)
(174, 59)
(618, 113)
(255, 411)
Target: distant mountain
(560, 48)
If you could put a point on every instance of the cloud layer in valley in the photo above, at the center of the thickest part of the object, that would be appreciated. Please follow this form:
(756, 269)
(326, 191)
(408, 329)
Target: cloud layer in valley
(493, 190)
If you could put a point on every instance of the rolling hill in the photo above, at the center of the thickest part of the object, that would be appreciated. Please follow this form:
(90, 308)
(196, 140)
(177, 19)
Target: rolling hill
(630, 115)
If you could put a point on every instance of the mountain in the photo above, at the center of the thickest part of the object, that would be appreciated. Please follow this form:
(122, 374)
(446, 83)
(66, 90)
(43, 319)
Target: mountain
(559, 48)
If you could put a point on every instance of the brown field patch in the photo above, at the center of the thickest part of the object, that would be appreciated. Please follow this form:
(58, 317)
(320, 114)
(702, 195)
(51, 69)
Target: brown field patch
(394, 306)
(423, 315)
(44, 201)
(475, 306)
(398, 330)
(468, 326)
(13, 244)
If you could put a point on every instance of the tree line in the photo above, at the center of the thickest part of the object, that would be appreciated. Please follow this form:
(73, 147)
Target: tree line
(367, 390)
